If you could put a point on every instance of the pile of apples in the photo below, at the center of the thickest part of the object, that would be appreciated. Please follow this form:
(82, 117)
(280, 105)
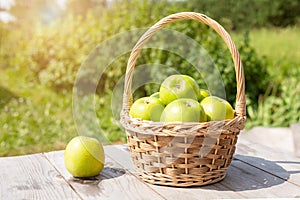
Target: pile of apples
(181, 100)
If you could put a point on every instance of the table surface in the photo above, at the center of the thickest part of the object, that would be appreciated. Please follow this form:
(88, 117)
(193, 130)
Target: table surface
(263, 167)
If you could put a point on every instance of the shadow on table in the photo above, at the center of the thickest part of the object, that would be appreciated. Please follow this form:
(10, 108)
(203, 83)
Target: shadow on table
(251, 173)
(106, 173)
(111, 172)
(92, 186)
(292, 163)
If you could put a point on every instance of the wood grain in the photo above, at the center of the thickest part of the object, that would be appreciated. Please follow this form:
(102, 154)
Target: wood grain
(32, 177)
(279, 139)
(253, 151)
(114, 182)
(242, 181)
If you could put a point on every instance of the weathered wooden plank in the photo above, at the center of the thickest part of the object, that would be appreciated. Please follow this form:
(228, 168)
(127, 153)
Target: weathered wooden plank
(242, 181)
(252, 182)
(279, 139)
(32, 177)
(114, 182)
(278, 161)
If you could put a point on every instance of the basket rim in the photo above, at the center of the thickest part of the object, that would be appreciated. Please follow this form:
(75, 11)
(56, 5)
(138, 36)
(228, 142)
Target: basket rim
(147, 127)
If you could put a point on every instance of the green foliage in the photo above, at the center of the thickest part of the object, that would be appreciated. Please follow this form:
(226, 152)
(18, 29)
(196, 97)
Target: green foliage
(57, 53)
(256, 71)
(31, 125)
(281, 47)
(247, 14)
(35, 124)
(6, 44)
(35, 118)
(285, 13)
(80, 7)
(111, 128)
(279, 108)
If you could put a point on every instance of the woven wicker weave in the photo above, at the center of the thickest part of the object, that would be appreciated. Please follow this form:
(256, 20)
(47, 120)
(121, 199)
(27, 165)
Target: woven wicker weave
(183, 154)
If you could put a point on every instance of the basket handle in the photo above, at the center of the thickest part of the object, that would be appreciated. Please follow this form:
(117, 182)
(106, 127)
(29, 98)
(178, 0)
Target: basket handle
(240, 96)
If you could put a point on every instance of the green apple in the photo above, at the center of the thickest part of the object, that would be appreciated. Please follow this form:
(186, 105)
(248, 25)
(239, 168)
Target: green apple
(84, 157)
(217, 109)
(178, 86)
(156, 95)
(147, 108)
(202, 94)
(183, 110)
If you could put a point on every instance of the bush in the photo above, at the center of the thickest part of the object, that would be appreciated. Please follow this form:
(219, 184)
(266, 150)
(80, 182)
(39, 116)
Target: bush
(30, 125)
(56, 52)
(279, 107)
(248, 14)
(7, 44)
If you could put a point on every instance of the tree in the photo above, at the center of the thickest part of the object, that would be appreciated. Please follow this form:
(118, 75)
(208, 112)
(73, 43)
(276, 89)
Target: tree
(80, 7)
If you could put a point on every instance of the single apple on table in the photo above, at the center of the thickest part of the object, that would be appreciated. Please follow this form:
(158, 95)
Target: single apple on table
(183, 110)
(147, 108)
(178, 86)
(84, 157)
(217, 109)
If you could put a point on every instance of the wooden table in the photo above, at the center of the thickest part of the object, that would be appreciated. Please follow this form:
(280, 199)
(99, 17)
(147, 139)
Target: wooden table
(263, 166)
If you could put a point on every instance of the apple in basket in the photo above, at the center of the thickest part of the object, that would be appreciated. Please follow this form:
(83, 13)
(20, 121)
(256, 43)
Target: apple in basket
(217, 109)
(147, 108)
(84, 157)
(202, 94)
(183, 110)
(156, 95)
(178, 86)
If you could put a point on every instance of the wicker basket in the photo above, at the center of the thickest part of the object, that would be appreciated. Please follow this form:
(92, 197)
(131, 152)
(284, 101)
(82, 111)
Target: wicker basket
(183, 154)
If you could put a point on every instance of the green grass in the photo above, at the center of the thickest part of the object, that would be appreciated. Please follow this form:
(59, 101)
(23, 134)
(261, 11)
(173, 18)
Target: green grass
(280, 46)
(279, 105)
(33, 118)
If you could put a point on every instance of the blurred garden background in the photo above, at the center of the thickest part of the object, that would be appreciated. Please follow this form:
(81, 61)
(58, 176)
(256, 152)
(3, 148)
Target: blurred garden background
(44, 42)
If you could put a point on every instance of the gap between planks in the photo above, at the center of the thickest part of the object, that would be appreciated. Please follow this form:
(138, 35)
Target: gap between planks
(44, 156)
(129, 186)
(31, 177)
(128, 171)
